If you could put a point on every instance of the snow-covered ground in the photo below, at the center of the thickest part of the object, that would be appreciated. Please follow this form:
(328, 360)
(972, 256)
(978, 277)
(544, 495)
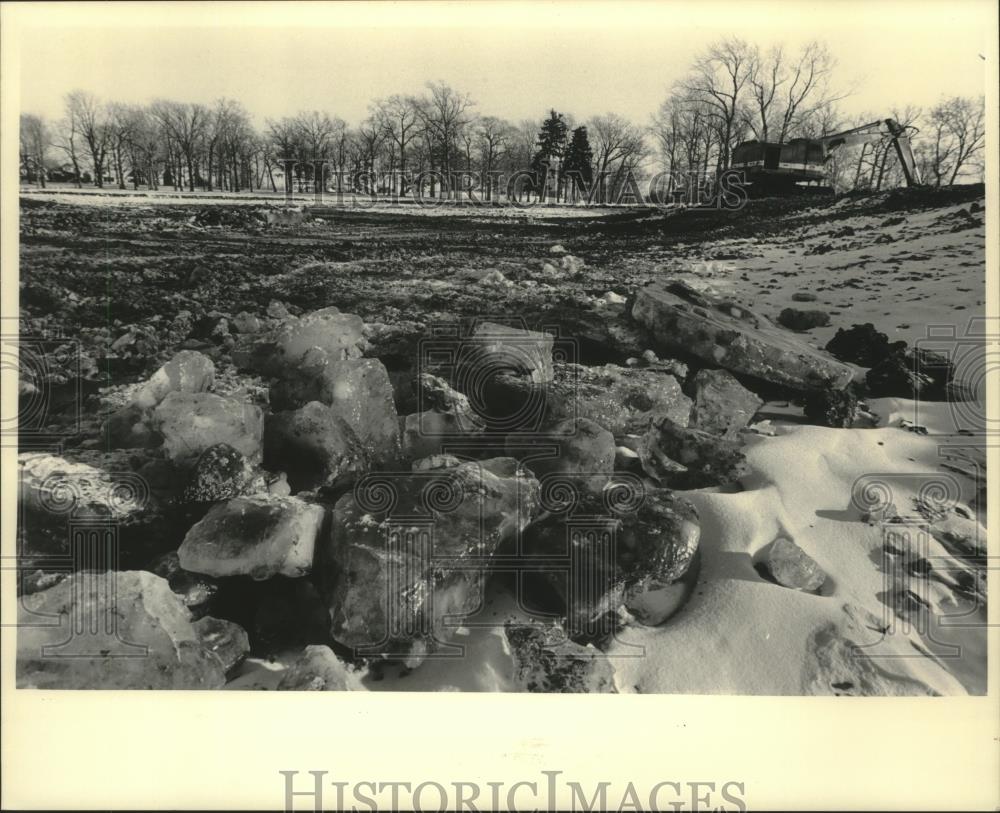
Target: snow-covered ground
(740, 633)
(429, 207)
(902, 272)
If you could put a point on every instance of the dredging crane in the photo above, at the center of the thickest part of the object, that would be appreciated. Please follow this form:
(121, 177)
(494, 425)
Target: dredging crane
(778, 168)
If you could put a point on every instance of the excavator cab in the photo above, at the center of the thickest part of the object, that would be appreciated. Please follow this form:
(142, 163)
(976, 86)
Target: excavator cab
(771, 168)
(772, 156)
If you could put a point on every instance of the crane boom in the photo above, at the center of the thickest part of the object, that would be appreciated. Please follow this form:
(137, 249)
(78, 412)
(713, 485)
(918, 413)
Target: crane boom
(879, 129)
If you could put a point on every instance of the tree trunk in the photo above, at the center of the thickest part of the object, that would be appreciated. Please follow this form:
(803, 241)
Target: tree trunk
(120, 168)
(98, 161)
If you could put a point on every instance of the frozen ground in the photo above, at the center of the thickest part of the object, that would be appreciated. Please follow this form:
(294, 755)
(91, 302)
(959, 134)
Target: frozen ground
(104, 267)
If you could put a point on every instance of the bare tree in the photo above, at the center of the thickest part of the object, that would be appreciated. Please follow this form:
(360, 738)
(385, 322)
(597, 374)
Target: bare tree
(397, 115)
(665, 127)
(34, 144)
(369, 139)
(120, 121)
(618, 145)
(765, 76)
(807, 88)
(936, 151)
(492, 138)
(443, 114)
(685, 129)
(219, 121)
(284, 136)
(238, 146)
(342, 141)
(185, 124)
(521, 145)
(67, 139)
(144, 148)
(964, 121)
(90, 119)
(717, 82)
(317, 133)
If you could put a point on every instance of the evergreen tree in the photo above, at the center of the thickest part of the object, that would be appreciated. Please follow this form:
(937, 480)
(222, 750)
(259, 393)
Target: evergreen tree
(551, 145)
(578, 160)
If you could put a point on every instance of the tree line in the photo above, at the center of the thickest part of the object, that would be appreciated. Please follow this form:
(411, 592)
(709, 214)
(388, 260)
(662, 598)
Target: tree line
(437, 140)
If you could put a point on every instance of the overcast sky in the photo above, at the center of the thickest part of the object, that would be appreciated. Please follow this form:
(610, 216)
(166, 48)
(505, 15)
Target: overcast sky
(515, 61)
